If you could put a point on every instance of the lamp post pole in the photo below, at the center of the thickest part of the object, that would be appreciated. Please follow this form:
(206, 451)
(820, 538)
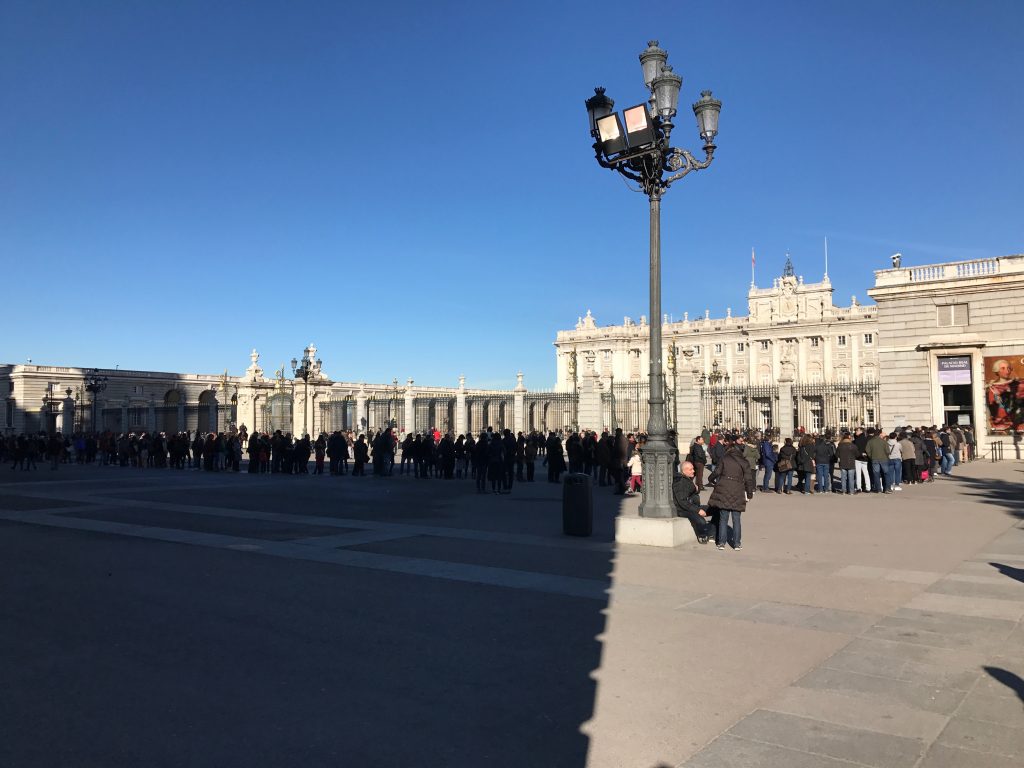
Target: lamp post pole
(575, 390)
(641, 152)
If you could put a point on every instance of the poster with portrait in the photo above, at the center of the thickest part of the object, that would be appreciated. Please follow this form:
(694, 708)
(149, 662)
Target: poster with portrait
(1004, 393)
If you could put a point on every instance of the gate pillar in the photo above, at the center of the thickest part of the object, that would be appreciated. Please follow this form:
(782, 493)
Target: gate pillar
(461, 423)
(519, 405)
(786, 424)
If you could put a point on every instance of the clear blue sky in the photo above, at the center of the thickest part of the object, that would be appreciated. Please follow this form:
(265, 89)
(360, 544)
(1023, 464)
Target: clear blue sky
(411, 185)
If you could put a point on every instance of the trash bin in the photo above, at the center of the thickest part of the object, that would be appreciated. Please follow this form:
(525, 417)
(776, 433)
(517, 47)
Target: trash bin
(577, 505)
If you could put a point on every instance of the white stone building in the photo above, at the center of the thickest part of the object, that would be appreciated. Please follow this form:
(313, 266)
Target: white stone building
(951, 345)
(793, 336)
(55, 399)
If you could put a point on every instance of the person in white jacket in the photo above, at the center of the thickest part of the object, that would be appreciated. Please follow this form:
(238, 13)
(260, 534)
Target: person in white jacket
(636, 471)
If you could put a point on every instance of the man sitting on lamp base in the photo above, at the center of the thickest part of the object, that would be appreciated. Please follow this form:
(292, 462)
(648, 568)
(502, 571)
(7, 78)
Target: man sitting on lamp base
(687, 502)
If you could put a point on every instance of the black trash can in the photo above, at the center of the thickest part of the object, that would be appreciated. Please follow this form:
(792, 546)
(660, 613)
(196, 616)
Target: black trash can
(577, 505)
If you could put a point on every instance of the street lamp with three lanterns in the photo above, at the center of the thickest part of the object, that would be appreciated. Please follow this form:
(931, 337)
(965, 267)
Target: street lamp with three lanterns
(637, 146)
(94, 384)
(306, 369)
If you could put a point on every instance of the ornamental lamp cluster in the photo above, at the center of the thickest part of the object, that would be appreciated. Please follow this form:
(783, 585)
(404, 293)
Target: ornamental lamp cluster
(640, 129)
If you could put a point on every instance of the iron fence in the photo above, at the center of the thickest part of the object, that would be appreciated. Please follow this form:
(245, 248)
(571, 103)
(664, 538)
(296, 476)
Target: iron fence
(833, 407)
(551, 411)
(338, 415)
(740, 408)
(434, 413)
(490, 411)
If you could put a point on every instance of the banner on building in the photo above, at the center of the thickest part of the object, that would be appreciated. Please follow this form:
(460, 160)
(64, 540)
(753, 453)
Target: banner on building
(955, 370)
(1004, 393)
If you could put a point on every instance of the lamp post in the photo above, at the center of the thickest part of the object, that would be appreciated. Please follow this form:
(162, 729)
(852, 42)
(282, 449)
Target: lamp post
(94, 384)
(306, 369)
(393, 403)
(673, 364)
(575, 391)
(640, 150)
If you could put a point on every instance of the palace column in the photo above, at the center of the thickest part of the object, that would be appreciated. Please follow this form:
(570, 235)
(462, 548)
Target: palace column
(461, 423)
(519, 405)
(361, 420)
(408, 424)
(752, 360)
(827, 341)
(776, 365)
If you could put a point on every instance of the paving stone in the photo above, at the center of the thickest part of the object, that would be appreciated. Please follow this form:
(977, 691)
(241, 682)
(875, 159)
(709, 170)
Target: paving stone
(943, 630)
(1001, 589)
(834, 620)
(942, 756)
(988, 738)
(720, 605)
(888, 574)
(977, 607)
(926, 698)
(958, 673)
(836, 741)
(731, 752)
(993, 708)
(857, 712)
(779, 613)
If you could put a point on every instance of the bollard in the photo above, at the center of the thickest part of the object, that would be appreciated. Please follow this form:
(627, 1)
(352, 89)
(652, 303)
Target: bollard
(577, 505)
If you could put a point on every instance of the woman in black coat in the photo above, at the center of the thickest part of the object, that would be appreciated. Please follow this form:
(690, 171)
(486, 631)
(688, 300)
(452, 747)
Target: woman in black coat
(805, 464)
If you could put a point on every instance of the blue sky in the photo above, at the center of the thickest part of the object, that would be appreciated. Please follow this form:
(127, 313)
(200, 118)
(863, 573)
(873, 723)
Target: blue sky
(411, 185)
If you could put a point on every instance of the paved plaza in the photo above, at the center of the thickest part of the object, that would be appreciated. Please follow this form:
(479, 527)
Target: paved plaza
(166, 618)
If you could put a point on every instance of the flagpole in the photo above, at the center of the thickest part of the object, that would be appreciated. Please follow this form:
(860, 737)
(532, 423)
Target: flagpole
(826, 257)
(752, 283)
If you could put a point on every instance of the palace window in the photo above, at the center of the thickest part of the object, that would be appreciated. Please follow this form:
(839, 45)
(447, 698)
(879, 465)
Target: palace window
(696, 349)
(840, 341)
(739, 346)
(869, 339)
(9, 416)
(136, 417)
(871, 415)
(764, 345)
(137, 389)
(718, 349)
(952, 314)
(814, 341)
(843, 416)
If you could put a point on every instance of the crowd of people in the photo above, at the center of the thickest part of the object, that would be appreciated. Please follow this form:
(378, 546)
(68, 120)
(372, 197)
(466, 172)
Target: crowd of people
(493, 459)
(736, 466)
(866, 460)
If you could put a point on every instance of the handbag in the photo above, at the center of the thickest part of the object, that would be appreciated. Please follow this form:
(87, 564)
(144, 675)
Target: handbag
(784, 465)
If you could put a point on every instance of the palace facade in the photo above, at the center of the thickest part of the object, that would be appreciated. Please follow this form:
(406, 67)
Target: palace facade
(774, 367)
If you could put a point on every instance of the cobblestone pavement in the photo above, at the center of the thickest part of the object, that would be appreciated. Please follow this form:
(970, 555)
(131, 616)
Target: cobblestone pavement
(168, 618)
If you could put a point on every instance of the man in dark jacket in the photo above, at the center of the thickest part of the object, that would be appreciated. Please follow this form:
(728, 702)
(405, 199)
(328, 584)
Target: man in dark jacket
(824, 452)
(687, 501)
(734, 487)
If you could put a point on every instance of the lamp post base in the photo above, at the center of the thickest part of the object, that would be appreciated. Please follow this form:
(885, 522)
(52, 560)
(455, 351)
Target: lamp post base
(657, 458)
(653, 531)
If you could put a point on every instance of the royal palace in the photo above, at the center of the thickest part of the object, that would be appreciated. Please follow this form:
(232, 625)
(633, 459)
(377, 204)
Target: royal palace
(943, 343)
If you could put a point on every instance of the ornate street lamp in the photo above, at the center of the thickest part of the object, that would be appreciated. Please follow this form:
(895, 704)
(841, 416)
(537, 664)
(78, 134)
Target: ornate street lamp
(308, 369)
(637, 146)
(715, 378)
(94, 384)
